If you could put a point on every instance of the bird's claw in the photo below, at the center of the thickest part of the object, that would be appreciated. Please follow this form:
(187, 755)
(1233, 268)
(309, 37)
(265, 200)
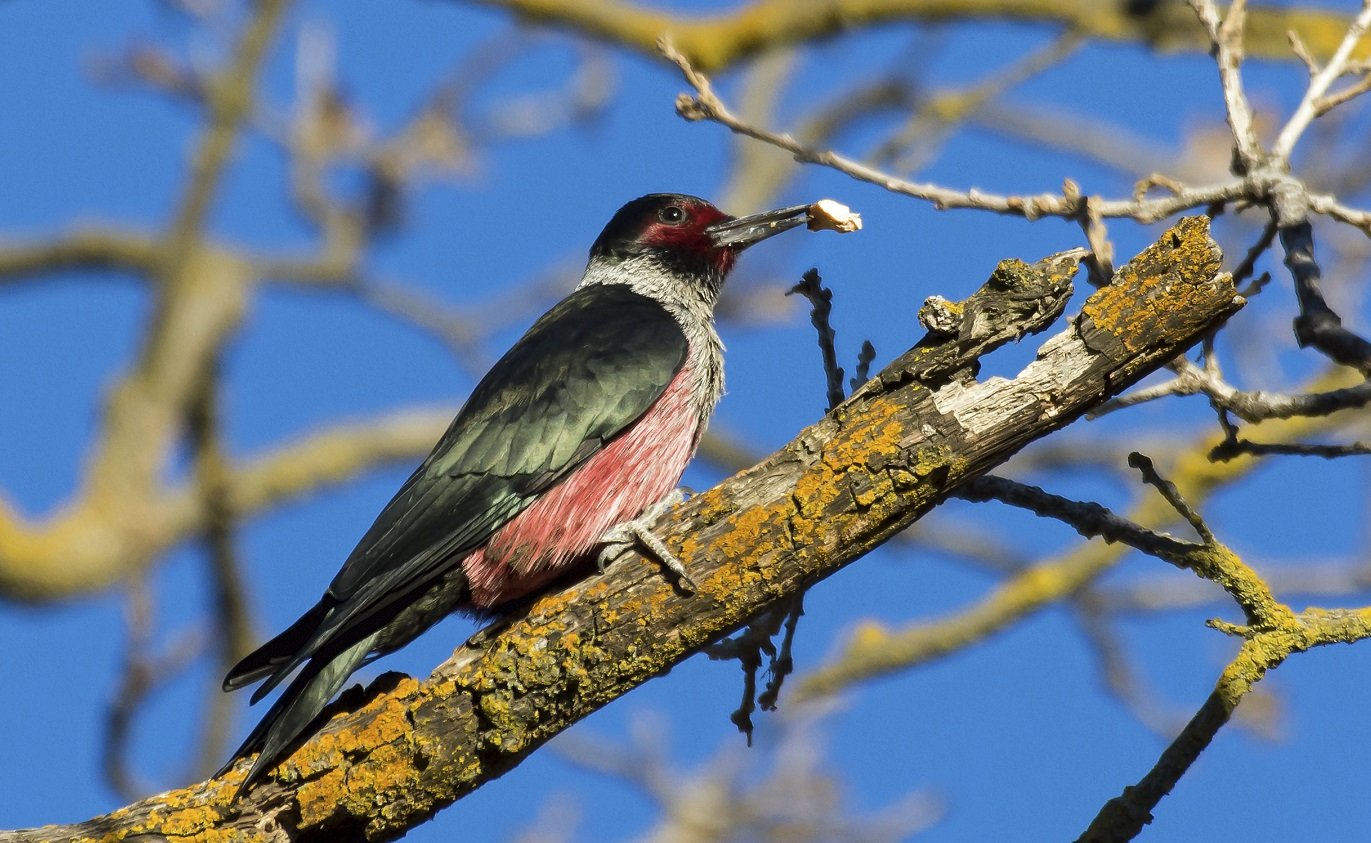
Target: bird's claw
(612, 550)
(629, 536)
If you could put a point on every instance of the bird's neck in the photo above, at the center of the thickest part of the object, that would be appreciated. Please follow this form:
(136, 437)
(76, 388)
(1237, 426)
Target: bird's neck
(690, 293)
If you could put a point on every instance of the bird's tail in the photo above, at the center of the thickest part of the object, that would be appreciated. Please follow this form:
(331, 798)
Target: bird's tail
(273, 656)
(285, 722)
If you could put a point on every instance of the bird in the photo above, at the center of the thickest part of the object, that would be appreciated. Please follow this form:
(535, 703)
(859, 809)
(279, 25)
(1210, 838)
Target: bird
(566, 450)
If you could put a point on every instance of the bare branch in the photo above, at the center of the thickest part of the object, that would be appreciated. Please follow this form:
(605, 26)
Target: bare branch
(706, 105)
(1173, 495)
(1316, 100)
(1244, 270)
(1232, 448)
(1227, 39)
(1089, 519)
(1317, 324)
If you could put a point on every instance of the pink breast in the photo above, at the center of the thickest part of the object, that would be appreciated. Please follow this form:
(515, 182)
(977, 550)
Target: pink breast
(632, 472)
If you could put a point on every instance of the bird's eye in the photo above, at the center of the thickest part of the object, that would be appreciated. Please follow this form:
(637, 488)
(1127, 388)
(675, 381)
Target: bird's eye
(672, 215)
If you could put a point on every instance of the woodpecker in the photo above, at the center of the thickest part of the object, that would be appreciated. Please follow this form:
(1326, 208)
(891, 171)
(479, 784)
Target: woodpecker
(574, 441)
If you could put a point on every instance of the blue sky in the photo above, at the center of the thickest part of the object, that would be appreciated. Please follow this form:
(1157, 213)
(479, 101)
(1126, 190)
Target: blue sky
(1015, 736)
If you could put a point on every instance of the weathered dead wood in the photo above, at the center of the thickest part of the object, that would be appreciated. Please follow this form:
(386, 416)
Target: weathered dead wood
(843, 486)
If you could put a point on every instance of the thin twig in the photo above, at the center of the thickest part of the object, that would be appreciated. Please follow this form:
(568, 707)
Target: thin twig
(706, 105)
(865, 357)
(1233, 448)
(1087, 518)
(1172, 495)
(1248, 266)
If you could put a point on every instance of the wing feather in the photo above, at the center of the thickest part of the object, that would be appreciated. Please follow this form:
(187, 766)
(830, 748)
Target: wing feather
(583, 373)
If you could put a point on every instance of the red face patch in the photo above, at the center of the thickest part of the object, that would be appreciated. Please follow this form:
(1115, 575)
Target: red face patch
(680, 227)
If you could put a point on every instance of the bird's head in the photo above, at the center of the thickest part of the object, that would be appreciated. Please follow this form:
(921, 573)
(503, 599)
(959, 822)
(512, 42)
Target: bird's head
(686, 233)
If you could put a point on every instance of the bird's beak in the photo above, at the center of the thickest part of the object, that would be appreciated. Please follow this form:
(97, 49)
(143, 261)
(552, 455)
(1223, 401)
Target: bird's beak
(740, 232)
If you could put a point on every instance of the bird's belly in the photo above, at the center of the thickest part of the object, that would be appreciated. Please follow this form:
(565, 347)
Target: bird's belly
(632, 472)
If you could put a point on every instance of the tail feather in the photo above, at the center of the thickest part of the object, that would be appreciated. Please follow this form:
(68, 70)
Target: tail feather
(287, 719)
(272, 656)
(325, 658)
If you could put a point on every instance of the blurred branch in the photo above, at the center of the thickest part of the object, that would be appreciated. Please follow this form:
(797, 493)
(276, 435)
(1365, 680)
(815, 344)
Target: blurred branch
(199, 296)
(231, 635)
(330, 456)
(1118, 674)
(82, 248)
(937, 114)
(782, 794)
(1317, 580)
(126, 512)
(1119, 147)
(230, 95)
(760, 171)
(198, 303)
(143, 671)
(228, 639)
(861, 474)
(716, 42)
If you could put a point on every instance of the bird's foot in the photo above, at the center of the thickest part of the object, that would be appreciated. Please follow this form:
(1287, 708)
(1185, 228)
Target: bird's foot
(637, 534)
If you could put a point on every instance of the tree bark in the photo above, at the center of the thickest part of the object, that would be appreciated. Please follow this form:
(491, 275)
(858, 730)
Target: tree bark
(395, 754)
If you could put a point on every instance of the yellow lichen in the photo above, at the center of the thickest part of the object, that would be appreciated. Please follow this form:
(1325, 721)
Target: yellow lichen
(1151, 283)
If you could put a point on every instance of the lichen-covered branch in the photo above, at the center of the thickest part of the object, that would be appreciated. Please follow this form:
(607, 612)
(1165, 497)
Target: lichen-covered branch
(1273, 633)
(887, 455)
(876, 650)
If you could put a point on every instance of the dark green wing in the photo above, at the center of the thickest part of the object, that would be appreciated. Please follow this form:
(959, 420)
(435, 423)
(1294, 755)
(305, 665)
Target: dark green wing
(584, 372)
